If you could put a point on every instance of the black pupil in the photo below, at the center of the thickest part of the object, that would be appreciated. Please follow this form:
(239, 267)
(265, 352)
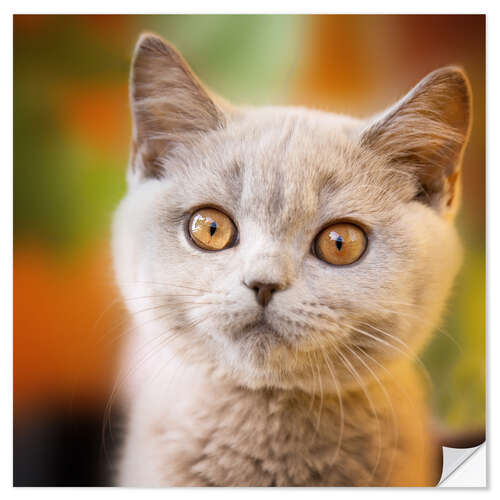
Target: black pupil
(338, 242)
(213, 228)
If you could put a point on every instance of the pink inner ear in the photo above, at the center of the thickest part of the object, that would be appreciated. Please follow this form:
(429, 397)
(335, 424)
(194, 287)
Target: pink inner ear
(452, 185)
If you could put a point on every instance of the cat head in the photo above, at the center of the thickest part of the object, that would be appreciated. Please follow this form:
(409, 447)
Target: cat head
(276, 244)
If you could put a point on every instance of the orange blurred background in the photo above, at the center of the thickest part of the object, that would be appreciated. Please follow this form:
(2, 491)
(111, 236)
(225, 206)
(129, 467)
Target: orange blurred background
(71, 142)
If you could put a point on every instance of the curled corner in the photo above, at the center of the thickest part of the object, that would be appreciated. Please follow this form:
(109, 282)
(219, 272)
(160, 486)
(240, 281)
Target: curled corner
(455, 459)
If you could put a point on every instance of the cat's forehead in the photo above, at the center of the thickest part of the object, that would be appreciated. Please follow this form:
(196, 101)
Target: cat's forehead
(287, 167)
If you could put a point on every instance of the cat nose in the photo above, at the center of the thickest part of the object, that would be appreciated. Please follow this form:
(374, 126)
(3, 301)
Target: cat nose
(263, 291)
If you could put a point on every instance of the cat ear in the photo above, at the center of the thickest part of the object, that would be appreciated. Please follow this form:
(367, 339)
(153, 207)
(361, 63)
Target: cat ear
(426, 133)
(168, 103)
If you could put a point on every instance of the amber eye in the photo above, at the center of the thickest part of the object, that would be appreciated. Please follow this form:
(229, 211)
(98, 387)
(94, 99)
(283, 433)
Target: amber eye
(211, 229)
(340, 244)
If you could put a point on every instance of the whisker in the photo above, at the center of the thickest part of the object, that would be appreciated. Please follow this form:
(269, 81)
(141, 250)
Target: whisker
(403, 392)
(162, 295)
(424, 320)
(412, 356)
(159, 341)
(331, 369)
(362, 384)
(141, 325)
(393, 412)
(313, 395)
(190, 325)
(204, 290)
(318, 423)
(120, 381)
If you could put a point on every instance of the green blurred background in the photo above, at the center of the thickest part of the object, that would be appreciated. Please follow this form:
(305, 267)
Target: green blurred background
(71, 142)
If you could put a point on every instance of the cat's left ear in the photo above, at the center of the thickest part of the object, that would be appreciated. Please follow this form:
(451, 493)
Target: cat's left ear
(426, 133)
(169, 106)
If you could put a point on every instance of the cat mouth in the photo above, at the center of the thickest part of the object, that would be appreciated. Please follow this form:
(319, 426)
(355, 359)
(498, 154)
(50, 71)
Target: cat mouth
(257, 328)
(257, 343)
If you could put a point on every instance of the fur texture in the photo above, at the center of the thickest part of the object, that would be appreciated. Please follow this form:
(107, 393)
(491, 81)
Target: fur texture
(320, 387)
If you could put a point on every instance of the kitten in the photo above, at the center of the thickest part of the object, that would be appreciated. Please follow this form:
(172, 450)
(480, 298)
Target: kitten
(282, 268)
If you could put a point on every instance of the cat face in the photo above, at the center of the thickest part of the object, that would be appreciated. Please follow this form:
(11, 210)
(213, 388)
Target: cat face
(281, 245)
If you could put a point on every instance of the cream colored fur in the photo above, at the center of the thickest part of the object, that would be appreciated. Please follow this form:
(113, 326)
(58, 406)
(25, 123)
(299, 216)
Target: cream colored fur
(321, 386)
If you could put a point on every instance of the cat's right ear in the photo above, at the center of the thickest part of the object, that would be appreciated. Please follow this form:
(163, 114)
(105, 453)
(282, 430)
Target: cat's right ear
(168, 103)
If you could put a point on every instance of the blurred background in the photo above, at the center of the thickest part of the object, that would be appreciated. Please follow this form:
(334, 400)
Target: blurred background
(71, 143)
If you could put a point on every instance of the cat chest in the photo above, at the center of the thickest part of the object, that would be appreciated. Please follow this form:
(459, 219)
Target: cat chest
(258, 447)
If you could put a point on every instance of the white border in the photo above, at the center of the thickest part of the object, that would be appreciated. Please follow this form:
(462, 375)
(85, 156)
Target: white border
(253, 7)
(256, 6)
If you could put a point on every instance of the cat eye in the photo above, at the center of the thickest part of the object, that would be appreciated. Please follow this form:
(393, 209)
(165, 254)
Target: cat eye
(340, 244)
(211, 229)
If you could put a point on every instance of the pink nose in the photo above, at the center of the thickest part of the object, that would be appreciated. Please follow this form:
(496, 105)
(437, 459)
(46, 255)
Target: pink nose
(263, 291)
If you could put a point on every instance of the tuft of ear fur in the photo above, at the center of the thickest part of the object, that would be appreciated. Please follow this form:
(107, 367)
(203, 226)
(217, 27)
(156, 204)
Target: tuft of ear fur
(426, 132)
(169, 104)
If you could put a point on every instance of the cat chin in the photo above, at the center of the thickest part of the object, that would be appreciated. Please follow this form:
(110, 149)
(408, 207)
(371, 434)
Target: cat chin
(266, 377)
(262, 360)
(269, 377)
(260, 333)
